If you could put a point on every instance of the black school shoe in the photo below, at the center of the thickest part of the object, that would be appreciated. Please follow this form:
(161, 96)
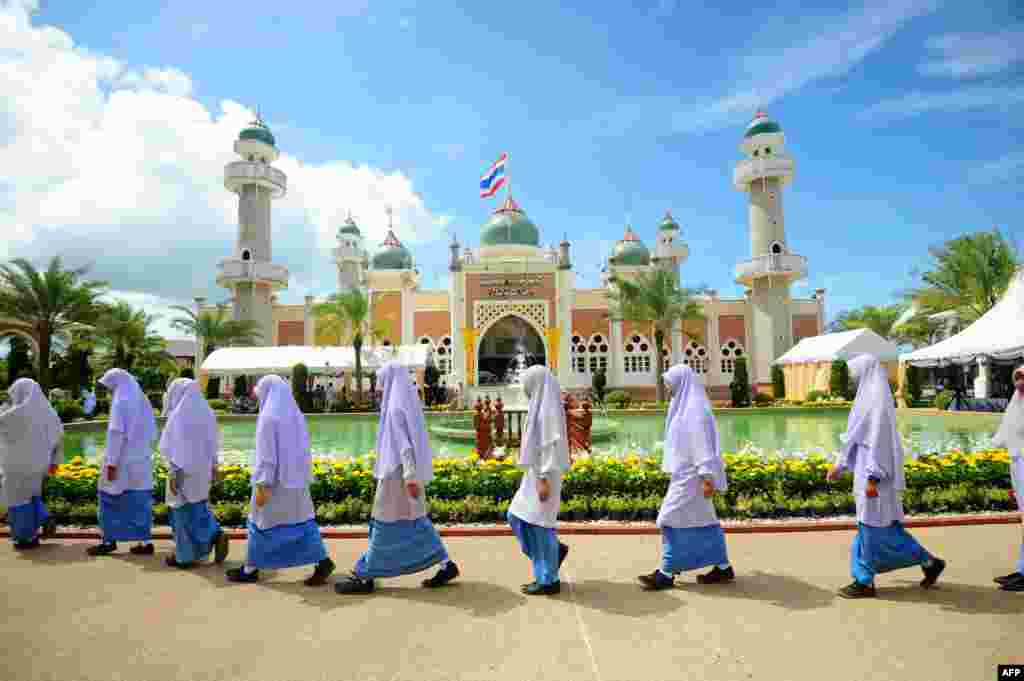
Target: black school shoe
(932, 572)
(563, 551)
(240, 576)
(49, 528)
(319, 577)
(144, 550)
(1012, 577)
(103, 549)
(26, 545)
(171, 561)
(354, 585)
(656, 581)
(857, 590)
(717, 576)
(221, 546)
(536, 589)
(443, 576)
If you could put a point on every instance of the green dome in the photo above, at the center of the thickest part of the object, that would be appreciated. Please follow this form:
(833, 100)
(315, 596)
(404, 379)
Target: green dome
(391, 255)
(350, 227)
(631, 252)
(260, 133)
(668, 222)
(509, 226)
(761, 124)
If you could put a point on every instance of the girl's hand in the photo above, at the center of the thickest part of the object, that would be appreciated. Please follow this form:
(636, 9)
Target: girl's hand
(53, 470)
(543, 489)
(112, 473)
(413, 488)
(709, 489)
(263, 495)
(833, 474)
(872, 489)
(172, 485)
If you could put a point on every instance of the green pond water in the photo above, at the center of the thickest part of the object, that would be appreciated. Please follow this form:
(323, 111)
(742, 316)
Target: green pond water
(794, 433)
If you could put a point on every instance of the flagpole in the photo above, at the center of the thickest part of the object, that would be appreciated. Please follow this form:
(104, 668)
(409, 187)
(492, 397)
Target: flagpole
(508, 180)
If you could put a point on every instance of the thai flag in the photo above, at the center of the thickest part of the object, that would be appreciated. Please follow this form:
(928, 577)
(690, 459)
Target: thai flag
(493, 180)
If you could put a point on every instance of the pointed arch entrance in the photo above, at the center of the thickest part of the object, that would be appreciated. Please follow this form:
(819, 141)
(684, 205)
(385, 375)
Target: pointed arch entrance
(500, 347)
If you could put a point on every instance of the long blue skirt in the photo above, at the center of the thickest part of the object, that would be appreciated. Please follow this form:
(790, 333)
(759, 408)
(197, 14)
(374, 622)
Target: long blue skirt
(195, 531)
(540, 544)
(689, 548)
(285, 546)
(127, 516)
(402, 547)
(1020, 560)
(26, 519)
(882, 549)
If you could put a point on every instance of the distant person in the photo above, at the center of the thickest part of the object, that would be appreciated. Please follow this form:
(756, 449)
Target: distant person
(403, 541)
(1011, 436)
(126, 474)
(31, 447)
(544, 455)
(873, 451)
(282, 522)
(88, 402)
(691, 534)
(189, 443)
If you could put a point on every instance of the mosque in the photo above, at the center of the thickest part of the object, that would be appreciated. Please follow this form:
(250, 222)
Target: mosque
(511, 301)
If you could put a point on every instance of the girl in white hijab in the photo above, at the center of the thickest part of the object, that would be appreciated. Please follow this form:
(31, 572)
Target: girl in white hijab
(692, 537)
(873, 451)
(544, 456)
(1011, 436)
(189, 443)
(282, 522)
(31, 446)
(126, 475)
(403, 541)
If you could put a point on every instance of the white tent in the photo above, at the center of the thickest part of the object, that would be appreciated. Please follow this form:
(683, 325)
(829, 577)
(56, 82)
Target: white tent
(808, 364)
(319, 360)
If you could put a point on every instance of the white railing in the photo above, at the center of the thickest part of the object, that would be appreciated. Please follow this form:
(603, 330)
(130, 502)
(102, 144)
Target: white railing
(240, 173)
(765, 265)
(748, 170)
(249, 270)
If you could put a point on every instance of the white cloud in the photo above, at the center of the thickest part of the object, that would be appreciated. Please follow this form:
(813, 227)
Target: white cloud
(966, 55)
(965, 99)
(117, 165)
(1009, 168)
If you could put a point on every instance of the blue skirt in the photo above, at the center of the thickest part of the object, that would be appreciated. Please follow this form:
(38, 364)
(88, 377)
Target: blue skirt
(540, 544)
(127, 516)
(882, 549)
(285, 546)
(689, 548)
(195, 531)
(26, 519)
(402, 547)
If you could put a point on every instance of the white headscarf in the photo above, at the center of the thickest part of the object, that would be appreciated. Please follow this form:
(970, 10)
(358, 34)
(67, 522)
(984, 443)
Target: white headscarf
(131, 414)
(29, 430)
(190, 438)
(282, 440)
(401, 426)
(691, 435)
(545, 442)
(872, 422)
(1011, 430)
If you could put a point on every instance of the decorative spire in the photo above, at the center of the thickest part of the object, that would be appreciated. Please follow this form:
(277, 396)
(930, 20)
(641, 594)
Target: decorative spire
(668, 216)
(390, 212)
(391, 239)
(630, 235)
(509, 206)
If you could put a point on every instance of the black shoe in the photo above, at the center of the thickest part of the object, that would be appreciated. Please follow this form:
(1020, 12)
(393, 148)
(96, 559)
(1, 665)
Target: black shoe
(103, 549)
(717, 576)
(220, 551)
(240, 576)
(354, 585)
(563, 551)
(536, 589)
(144, 550)
(932, 572)
(171, 561)
(443, 576)
(1015, 585)
(857, 590)
(656, 581)
(26, 545)
(49, 528)
(323, 570)
(1013, 577)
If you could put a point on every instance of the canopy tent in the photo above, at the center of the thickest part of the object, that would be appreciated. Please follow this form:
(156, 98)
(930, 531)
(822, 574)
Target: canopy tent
(319, 360)
(808, 364)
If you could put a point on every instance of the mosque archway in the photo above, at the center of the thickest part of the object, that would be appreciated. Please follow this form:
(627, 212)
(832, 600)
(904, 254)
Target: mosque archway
(507, 346)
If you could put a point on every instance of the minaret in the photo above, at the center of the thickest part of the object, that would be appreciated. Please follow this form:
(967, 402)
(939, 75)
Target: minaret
(350, 256)
(670, 252)
(249, 273)
(772, 267)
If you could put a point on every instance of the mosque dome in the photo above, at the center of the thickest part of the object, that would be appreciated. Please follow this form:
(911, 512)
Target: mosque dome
(509, 226)
(391, 255)
(350, 228)
(761, 124)
(668, 222)
(630, 251)
(258, 131)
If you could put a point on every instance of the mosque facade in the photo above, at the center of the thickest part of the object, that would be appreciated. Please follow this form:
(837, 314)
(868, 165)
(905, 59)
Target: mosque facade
(511, 301)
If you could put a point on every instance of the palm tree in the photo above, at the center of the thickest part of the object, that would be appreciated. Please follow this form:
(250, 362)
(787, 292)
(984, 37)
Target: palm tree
(125, 339)
(346, 314)
(213, 329)
(49, 301)
(655, 298)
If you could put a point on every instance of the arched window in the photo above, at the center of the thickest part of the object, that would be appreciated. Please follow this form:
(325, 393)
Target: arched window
(578, 350)
(443, 355)
(732, 350)
(695, 356)
(776, 248)
(246, 254)
(597, 354)
(638, 352)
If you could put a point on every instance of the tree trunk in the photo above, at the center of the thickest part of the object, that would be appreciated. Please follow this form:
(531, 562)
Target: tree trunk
(659, 345)
(43, 360)
(357, 345)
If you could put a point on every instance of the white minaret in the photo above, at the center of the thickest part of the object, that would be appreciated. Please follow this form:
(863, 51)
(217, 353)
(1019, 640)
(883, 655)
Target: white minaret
(670, 252)
(772, 267)
(350, 256)
(249, 273)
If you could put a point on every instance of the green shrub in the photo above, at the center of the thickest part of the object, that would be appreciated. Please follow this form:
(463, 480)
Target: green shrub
(815, 395)
(156, 399)
(739, 389)
(763, 399)
(218, 404)
(778, 382)
(187, 373)
(599, 383)
(943, 399)
(619, 399)
(839, 380)
(912, 383)
(68, 410)
(3, 396)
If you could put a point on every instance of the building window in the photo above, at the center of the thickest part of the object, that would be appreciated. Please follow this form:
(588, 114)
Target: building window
(579, 355)
(589, 355)
(637, 359)
(695, 356)
(731, 351)
(246, 255)
(443, 352)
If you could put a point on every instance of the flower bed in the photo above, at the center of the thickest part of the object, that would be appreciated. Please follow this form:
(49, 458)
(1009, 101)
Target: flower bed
(630, 488)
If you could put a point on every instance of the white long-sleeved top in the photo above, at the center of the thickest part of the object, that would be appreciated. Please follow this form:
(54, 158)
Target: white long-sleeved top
(880, 511)
(287, 505)
(17, 489)
(192, 487)
(526, 504)
(392, 502)
(684, 504)
(133, 472)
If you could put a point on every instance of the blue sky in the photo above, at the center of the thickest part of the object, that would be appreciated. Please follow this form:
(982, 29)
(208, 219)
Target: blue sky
(903, 118)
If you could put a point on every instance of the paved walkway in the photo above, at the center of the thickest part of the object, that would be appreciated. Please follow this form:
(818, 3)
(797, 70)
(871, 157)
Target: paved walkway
(69, 617)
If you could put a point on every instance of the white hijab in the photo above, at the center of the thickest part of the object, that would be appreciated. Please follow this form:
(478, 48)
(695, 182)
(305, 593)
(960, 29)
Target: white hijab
(545, 443)
(401, 425)
(29, 430)
(190, 438)
(872, 422)
(691, 435)
(282, 440)
(131, 414)
(1011, 430)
